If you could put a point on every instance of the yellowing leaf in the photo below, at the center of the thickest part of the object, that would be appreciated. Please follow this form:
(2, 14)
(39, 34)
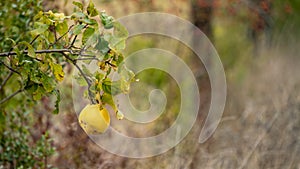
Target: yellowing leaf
(79, 5)
(119, 30)
(62, 28)
(57, 71)
(30, 49)
(40, 28)
(51, 37)
(91, 10)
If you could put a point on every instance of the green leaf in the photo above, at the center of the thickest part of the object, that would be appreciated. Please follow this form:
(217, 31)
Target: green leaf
(118, 59)
(91, 10)
(107, 21)
(56, 110)
(78, 4)
(93, 40)
(86, 71)
(48, 83)
(108, 99)
(120, 45)
(38, 93)
(87, 34)
(62, 28)
(11, 40)
(40, 28)
(112, 88)
(34, 76)
(89, 21)
(77, 29)
(120, 31)
(78, 15)
(30, 49)
(57, 71)
(51, 37)
(102, 45)
(115, 42)
(99, 76)
(80, 80)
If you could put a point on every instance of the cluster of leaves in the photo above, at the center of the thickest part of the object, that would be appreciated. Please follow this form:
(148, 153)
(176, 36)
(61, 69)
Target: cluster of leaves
(16, 18)
(17, 150)
(56, 44)
(104, 46)
(37, 47)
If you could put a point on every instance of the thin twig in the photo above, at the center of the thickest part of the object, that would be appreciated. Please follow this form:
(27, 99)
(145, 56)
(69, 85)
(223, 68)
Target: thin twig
(88, 58)
(72, 44)
(74, 40)
(108, 62)
(6, 79)
(10, 68)
(34, 39)
(10, 96)
(84, 76)
(61, 36)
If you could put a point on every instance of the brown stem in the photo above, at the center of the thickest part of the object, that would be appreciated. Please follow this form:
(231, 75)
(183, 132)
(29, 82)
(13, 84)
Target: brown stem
(10, 68)
(88, 58)
(4, 54)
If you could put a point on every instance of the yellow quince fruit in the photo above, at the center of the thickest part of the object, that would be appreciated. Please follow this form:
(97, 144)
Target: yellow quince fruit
(94, 119)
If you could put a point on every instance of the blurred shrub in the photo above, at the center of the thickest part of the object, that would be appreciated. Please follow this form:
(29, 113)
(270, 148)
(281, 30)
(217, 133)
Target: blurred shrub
(17, 149)
(16, 146)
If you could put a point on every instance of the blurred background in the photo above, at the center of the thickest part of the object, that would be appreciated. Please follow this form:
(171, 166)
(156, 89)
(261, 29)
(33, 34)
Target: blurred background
(258, 44)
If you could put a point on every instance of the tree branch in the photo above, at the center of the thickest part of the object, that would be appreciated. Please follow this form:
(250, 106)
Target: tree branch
(87, 58)
(6, 79)
(10, 68)
(43, 51)
(10, 96)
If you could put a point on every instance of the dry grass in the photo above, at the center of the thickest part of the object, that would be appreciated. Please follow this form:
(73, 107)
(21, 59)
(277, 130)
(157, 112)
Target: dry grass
(260, 127)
